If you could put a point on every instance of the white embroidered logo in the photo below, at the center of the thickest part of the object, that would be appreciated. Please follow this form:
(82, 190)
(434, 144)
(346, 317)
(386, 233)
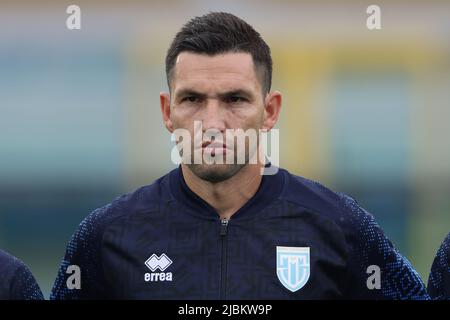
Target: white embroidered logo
(154, 263)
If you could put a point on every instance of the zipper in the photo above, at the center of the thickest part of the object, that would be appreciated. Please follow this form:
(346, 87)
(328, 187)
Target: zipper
(223, 276)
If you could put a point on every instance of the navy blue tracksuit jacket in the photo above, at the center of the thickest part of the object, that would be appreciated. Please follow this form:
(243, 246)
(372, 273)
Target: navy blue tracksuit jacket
(439, 280)
(295, 239)
(16, 280)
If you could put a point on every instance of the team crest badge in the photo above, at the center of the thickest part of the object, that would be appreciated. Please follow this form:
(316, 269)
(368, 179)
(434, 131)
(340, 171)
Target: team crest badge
(293, 267)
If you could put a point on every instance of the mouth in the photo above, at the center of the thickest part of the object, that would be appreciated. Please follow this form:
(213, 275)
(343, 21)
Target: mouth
(214, 147)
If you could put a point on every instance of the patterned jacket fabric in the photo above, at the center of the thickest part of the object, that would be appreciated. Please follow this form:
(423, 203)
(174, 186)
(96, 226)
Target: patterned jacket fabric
(295, 239)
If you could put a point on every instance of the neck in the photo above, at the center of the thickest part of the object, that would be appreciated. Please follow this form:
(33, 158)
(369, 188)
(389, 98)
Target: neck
(227, 196)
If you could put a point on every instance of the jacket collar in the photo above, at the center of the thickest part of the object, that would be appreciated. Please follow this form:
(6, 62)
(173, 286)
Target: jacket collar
(269, 190)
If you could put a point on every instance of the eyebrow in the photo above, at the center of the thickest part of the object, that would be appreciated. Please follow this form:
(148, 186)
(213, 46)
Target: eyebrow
(189, 92)
(237, 92)
(222, 95)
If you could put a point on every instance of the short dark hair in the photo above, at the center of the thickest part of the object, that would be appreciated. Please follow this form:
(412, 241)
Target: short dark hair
(221, 32)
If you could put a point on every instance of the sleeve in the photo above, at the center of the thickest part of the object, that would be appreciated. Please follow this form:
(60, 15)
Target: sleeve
(377, 270)
(24, 285)
(439, 280)
(80, 275)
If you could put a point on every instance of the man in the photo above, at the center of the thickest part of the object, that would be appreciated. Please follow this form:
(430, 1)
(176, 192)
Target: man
(223, 230)
(439, 280)
(16, 280)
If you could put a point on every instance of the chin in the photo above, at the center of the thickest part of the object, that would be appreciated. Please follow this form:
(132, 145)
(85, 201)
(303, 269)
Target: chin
(215, 173)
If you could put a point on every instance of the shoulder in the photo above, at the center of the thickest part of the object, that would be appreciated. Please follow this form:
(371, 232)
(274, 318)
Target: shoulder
(11, 266)
(366, 243)
(146, 198)
(6, 258)
(314, 196)
(356, 224)
(8, 263)
(443, 254)
(17, 280)
(84, 248)
(445, 247)
(439, 280)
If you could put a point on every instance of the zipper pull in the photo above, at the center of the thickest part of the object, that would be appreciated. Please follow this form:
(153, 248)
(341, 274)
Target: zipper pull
(223, 226)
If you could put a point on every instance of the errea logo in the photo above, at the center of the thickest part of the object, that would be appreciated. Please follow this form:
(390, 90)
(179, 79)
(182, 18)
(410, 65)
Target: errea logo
(154, 263)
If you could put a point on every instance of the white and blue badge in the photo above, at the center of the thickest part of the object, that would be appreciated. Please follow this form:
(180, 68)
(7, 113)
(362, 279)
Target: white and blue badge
(293, 267)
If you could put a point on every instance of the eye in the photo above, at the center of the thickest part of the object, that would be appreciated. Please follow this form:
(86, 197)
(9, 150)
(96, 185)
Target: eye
(236, 99)
(192, 99)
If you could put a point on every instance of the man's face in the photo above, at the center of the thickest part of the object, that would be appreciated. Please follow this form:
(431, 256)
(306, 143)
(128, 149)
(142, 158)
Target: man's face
(223, 92)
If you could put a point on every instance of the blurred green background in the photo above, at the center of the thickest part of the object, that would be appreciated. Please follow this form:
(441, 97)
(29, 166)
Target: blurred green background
(365, 112)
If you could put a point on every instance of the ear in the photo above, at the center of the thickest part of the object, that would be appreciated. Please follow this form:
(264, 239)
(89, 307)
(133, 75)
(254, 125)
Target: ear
(164, 99)
(272, 105)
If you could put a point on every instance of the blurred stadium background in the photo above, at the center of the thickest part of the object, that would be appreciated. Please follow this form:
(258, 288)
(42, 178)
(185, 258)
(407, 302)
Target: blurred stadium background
(365, 112)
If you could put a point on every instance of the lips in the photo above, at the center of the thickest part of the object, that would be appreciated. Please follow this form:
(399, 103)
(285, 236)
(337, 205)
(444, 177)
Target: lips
(214, 145)
(214, 148)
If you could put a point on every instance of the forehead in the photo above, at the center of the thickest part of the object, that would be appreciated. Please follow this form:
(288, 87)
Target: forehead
(218, 72)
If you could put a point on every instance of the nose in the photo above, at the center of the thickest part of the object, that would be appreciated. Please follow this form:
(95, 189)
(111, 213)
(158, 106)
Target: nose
(214, 116)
